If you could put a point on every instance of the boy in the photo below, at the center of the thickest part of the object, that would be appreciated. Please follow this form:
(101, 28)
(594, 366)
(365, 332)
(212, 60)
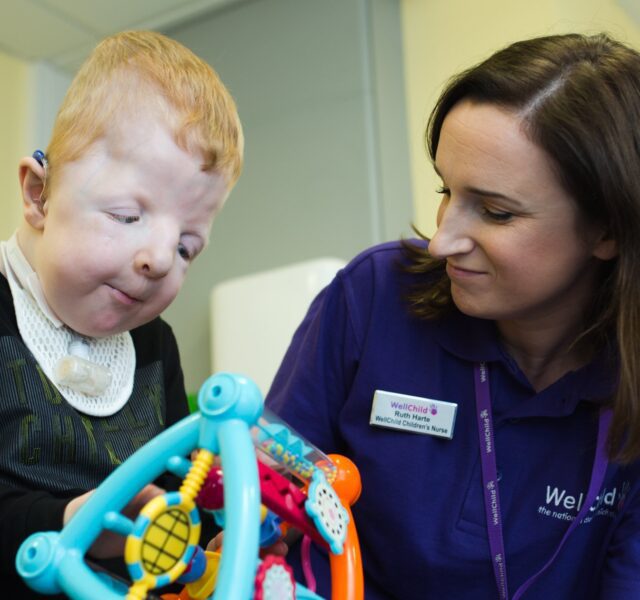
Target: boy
(144, 151)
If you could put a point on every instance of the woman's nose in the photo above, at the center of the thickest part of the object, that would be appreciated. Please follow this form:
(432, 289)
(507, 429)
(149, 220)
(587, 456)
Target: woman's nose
(453, 235)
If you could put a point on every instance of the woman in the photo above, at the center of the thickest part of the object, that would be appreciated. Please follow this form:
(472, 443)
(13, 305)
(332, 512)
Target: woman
(486, 387)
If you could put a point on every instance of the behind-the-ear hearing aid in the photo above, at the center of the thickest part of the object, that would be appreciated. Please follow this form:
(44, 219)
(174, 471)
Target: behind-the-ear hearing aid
(41, 157)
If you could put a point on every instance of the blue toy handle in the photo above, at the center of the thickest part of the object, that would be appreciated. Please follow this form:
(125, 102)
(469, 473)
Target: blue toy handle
(52, 562)
(238, 562)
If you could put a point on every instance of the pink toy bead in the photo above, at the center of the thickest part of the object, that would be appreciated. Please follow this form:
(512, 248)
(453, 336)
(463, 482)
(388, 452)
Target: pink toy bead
(211, 496)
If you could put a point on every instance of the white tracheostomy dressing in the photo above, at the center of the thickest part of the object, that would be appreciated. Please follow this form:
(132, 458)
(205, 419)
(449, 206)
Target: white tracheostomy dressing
(94, 375)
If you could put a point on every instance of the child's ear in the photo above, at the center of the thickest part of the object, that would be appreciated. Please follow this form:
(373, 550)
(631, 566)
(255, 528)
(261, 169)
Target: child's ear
(32, 178)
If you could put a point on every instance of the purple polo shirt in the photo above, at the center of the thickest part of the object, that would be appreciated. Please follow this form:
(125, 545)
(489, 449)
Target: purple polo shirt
(421, 517)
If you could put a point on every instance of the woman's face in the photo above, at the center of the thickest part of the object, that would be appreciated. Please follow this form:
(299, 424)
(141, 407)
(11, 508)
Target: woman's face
(515, 244)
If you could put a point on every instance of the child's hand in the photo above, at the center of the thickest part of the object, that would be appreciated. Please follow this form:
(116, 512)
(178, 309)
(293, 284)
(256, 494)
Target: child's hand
(280, 548)
(110, 544)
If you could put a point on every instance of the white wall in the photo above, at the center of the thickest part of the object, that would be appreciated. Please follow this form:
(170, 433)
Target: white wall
(47, 87)
(14, 131)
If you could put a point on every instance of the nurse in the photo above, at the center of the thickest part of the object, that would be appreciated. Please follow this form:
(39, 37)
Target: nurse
(485, 381)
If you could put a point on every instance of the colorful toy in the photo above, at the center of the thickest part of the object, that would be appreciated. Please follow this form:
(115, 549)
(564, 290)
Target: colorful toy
(253, 500)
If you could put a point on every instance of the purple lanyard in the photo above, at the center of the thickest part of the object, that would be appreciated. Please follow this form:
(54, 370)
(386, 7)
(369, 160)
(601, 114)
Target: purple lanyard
(490, 485)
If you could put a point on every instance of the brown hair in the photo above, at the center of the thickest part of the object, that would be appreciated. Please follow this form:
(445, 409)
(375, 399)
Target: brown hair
(144, 70)
(579, 99)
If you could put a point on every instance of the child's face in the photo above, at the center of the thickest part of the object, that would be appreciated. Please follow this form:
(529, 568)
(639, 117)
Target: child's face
(121, 226)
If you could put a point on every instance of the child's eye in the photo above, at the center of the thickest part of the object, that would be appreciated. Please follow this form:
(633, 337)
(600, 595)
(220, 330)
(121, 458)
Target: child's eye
(443, 190)
(498, 216)
(126, 219)
(184, 252)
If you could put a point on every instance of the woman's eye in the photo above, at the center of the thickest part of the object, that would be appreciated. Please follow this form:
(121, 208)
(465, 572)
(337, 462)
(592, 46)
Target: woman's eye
(497, 215)
(126, 219)
(443, 191)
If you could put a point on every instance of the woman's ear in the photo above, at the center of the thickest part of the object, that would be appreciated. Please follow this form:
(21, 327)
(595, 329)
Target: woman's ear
(32, 180)
(605, 248)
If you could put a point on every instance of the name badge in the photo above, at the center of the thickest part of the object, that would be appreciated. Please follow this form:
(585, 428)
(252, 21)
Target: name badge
(412, 413)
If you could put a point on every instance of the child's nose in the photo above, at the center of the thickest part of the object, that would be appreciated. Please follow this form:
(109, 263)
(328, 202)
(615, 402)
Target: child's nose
(155, 259)
(453, 233)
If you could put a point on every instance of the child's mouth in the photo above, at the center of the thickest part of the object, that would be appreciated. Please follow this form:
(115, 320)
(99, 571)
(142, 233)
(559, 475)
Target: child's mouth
(123, 297)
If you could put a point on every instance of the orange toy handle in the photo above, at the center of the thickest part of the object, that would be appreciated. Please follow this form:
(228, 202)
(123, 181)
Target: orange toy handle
(347, 579)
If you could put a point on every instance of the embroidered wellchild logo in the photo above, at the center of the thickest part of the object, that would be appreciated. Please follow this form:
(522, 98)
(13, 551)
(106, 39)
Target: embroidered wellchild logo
(560, 504)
